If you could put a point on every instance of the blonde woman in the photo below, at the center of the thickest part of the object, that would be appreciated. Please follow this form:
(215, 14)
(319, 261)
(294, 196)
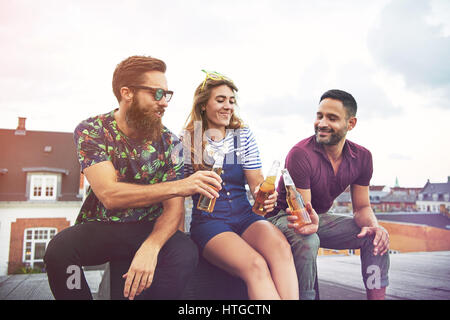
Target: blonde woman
(232, 237)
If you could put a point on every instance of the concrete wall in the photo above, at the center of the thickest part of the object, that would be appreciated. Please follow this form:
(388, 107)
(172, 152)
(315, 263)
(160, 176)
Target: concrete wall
(415, 238)
(407, 237)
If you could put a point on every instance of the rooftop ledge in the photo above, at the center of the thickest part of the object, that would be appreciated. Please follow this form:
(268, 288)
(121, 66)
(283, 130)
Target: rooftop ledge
(412, 276)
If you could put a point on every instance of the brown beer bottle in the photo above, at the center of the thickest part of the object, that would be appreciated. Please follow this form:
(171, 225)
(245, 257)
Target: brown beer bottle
(295, 200)
(205, 203)
(266, 189)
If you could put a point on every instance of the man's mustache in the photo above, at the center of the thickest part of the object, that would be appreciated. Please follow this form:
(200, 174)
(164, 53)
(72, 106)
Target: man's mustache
(329, 130)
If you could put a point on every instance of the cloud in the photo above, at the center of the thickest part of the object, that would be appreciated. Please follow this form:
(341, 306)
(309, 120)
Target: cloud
(405, 42)
(354, 77)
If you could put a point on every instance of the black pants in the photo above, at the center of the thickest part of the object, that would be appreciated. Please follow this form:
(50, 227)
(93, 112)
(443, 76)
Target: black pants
(95, 243)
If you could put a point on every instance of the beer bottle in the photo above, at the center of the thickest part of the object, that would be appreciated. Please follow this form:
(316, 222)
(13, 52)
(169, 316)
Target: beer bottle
(266, 189)
(205, 203)
(295, 200)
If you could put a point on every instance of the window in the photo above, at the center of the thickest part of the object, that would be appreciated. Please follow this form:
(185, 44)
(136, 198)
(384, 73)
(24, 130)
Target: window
(35, 243)
(43, 187)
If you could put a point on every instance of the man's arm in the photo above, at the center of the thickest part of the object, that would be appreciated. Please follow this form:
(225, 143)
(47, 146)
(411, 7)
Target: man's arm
(363, 213)
(116, 195)
(140, 274)
(366, 220)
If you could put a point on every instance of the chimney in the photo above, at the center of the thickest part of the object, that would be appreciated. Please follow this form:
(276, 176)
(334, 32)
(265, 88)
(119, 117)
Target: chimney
(21, 131)
(21, 125)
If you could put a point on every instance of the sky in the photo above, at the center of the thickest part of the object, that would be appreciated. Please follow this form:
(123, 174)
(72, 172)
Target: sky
(57, 59)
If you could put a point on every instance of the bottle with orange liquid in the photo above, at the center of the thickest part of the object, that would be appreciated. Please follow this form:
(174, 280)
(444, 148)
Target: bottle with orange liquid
(295, 200)
(266, 189)
(205, 203)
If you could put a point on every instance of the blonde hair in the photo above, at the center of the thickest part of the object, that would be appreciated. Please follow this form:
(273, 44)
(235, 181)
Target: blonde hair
(201, 98)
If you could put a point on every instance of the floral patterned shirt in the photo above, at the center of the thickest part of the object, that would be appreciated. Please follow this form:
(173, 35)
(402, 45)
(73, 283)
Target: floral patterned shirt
(136, 161)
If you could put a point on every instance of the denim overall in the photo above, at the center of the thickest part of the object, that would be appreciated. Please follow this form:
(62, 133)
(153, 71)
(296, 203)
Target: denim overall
(232, 211)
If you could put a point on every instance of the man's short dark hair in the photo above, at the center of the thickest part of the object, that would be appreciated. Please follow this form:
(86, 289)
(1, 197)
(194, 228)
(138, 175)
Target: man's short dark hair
(346, 98)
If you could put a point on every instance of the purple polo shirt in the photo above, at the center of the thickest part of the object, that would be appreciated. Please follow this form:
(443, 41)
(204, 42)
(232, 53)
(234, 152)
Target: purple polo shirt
(310, 168)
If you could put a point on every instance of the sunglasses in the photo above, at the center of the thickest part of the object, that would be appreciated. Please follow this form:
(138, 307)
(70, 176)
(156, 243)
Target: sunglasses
(213, 75)
(158, 93)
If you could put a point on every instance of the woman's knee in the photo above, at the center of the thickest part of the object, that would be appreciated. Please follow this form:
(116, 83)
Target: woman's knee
(256, 268)
(282, 250)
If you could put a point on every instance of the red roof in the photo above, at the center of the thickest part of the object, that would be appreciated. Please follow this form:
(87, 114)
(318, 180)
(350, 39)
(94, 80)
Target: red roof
(376, 188)
(41, 151)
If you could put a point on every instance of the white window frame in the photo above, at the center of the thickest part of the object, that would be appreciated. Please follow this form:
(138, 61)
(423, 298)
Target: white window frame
(48, 181)
(38, 236)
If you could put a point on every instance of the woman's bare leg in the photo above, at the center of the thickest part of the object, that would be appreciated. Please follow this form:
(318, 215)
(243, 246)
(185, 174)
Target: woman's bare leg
(268, 240)
(230, 252)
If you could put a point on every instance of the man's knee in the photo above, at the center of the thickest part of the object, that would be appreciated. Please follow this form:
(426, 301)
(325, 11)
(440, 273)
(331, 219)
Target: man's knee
(366, 243)
(53, 252)
(306, 247)
(59, 251)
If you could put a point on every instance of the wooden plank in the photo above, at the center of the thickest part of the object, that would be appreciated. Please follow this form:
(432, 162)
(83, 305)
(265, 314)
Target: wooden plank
(332, 291)
(36, 287)
(24, 290)
(42, 292)
(421, 276)
(3, 279)
(416, 276)
(8, 286)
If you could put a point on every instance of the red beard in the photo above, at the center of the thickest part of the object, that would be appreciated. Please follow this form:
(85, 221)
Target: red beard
(147, 125)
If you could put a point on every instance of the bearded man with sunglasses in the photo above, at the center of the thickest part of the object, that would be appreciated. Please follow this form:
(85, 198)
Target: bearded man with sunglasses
(322, 167)
(134, 207)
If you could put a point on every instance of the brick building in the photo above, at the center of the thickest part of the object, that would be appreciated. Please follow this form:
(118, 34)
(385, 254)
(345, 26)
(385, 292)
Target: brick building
(400, 199)
(40, 193)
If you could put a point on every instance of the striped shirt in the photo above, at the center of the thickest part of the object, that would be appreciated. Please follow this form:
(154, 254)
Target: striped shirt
(248, 149)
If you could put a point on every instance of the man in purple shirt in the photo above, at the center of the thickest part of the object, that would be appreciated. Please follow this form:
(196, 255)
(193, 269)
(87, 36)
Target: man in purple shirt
(322, 167)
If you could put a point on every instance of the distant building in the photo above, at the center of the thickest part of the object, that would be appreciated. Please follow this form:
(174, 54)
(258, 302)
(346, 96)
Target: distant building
(376, 196)
(343, 203)
(41, 190)
(399, 199)
(435, 197)
(409, 231)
